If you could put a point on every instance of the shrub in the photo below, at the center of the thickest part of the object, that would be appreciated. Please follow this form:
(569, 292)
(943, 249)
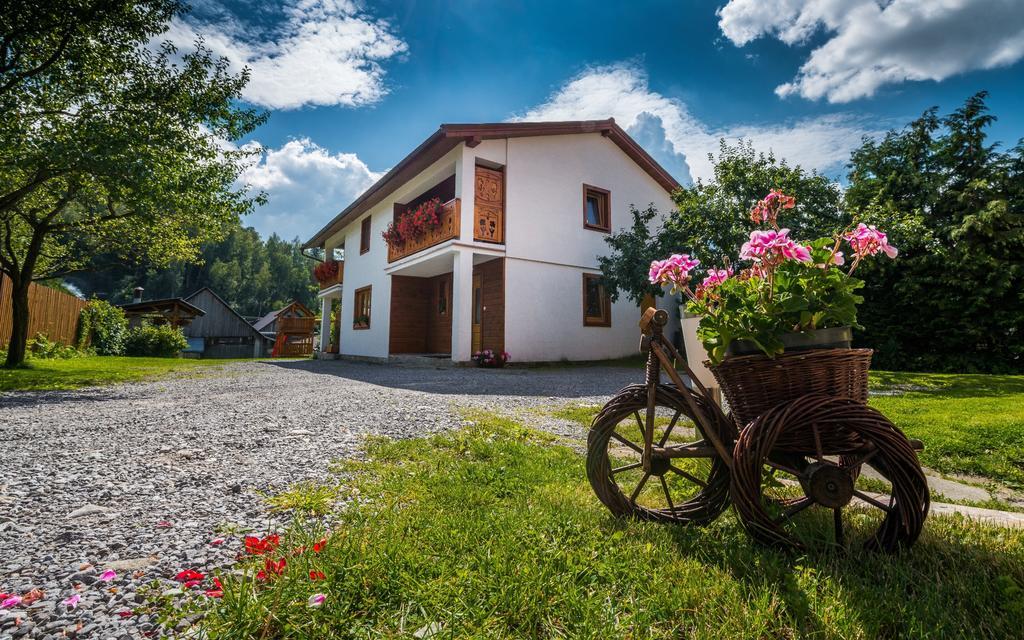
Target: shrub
(102, 326)
(147, 340)
(43, 348)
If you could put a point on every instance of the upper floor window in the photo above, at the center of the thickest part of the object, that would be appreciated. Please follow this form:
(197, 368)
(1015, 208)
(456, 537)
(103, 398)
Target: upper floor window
(597, 304)
(364, 236)
(597, 208)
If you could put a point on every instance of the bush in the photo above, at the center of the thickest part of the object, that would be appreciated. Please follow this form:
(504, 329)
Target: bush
(43, 348)
(147, 340)
(102, 326)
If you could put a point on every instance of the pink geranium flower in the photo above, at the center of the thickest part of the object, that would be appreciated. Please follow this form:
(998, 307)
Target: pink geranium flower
(866, 240)
(716, 277)
(674, 270)
(773, 246)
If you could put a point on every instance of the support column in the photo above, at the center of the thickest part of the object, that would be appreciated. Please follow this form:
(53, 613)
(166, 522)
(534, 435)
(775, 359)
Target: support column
(462, 306)
(325, 323)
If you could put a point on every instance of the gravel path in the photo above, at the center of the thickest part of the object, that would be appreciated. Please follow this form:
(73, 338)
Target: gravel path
(141, 478)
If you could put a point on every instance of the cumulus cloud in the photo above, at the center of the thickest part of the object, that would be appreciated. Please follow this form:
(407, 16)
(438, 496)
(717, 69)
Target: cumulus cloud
(622, 91)
(306, 185)
(871, 44)
(323, 52)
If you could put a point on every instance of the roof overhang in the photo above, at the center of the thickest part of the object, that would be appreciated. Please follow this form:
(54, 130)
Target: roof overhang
(449, 136)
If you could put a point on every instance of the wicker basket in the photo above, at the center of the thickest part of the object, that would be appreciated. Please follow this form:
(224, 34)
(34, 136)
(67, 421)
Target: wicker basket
(754, 384)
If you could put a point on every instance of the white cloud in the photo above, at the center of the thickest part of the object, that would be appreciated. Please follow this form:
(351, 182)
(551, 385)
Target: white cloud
(306, 185)
(872, 44)
(621, 91)
(324, 52)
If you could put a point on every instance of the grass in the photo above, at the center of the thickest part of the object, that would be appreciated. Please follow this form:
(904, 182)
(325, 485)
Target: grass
(494, 532)
(88, 371)
(305, 497)
(970, 424)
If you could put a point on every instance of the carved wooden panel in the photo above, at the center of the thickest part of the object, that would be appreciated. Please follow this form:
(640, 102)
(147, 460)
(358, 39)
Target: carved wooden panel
(489, 206)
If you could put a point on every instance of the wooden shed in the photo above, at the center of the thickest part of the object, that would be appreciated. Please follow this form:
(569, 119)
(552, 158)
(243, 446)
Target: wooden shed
(291, 328)
(222, 332)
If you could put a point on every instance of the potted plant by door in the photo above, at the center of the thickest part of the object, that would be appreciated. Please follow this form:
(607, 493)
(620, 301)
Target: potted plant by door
(779, 325)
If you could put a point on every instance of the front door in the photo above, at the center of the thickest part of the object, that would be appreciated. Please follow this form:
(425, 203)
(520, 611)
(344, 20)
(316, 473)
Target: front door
(478, 311)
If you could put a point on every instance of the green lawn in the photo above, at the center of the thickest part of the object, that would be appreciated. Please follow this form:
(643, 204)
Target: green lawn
(493, 532)
(970, 424)
(90, 371)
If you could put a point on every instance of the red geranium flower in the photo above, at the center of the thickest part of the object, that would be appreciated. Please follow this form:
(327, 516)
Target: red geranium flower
(316, 575)
(319, 546)
(276, 568)
(217, 591)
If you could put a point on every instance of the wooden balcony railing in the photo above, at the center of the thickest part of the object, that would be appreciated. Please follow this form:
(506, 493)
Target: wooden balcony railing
(338, 279)
(448, 229)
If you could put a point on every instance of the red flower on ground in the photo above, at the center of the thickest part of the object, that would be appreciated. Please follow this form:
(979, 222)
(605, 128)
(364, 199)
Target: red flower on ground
(319, 546)
(126, 613)
(259, 546)
(217, 591)
(316, 575)
(189, 576)
(277, 568)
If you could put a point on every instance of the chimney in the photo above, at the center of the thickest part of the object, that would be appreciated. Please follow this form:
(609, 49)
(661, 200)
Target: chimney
(137, 294)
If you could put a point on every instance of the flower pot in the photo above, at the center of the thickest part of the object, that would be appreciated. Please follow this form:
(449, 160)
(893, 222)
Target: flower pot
(833, 338)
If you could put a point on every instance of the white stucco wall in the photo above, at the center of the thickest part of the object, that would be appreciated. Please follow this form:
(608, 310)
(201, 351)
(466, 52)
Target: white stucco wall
(548, 249)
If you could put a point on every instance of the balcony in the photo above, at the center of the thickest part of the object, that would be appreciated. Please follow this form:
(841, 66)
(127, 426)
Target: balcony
(335, 280)
(447, 229)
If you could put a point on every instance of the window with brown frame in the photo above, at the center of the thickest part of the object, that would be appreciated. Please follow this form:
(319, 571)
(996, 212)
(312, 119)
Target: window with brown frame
(597, 209)
(597, 305)
(361, 308)
(364, 236)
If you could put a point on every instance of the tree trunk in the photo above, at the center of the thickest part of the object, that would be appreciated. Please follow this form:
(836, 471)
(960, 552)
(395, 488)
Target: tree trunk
(19, 322)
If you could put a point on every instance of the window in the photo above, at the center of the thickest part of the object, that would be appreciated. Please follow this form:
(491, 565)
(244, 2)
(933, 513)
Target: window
(361, 309)
(364, 236)
(442, 297)
(597, 209)
(597, 306)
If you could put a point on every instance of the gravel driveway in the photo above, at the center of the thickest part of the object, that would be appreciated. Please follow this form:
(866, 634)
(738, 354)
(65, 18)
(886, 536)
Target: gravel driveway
(141, 478)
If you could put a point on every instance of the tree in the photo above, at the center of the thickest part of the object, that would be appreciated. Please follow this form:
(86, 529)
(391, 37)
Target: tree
(711, 219)
(109, 144)
(952, 203)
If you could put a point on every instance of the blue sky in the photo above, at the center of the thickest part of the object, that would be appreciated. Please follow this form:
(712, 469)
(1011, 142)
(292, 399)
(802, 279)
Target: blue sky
(352, 87)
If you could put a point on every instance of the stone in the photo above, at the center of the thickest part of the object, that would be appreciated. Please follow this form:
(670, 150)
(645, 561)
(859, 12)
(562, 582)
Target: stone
(87, 510)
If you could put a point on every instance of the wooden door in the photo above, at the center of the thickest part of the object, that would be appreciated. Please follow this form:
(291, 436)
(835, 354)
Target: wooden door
(489, 206)
(478, 311)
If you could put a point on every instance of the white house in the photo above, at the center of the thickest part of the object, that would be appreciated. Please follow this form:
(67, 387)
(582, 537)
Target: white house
(513, 263)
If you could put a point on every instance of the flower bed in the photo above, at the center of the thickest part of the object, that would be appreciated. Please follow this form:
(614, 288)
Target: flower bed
(491, 359)
(326, 271)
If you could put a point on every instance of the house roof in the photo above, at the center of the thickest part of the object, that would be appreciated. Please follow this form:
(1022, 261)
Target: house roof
(448, 136)
(228, 306)
(158, 306)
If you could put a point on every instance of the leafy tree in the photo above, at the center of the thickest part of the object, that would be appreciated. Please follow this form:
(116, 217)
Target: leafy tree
(952, 203)
(253, 275)
(711, 219)
(108, 145)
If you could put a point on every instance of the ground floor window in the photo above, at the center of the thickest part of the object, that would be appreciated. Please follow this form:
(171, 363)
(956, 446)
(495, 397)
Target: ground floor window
(361, 308)
(597, 305)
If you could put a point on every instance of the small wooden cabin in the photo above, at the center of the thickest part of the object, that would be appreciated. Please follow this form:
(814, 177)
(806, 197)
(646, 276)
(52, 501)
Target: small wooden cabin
(222, 332)
(291, 329)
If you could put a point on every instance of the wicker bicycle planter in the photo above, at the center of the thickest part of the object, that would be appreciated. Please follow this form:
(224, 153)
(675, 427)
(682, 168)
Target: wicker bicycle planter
(755, 384)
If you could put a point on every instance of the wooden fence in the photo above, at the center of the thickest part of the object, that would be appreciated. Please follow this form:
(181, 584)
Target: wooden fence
(51, 312)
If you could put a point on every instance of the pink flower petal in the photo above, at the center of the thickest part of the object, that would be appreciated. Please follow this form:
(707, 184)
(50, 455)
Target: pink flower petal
(10, 601)
(108, 575)
(71, 601)
(316, 600)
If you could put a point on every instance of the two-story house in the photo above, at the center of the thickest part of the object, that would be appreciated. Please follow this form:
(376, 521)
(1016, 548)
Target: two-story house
(513, 263)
